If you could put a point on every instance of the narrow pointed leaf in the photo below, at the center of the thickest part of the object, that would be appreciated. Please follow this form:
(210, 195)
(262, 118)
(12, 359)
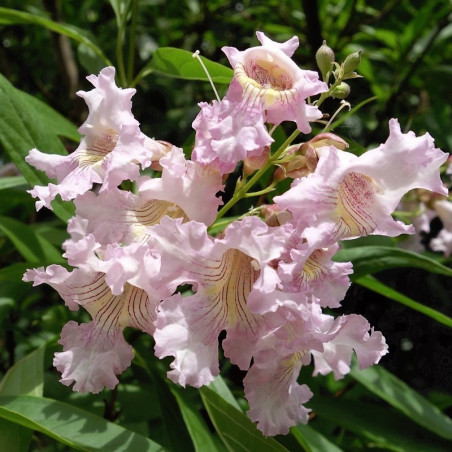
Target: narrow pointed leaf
(368, 260)
(235, 429)
(14, 437)
(31, 245)
(13, 17)
(13, 181)
(398, 394)
(312, 440)
(379, 426)
(200, 435)
(373, 284)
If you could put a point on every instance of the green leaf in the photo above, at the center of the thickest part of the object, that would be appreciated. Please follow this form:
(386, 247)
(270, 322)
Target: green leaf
(373, 284)
(380, 427)
(199, 433)
(312, 440)
(398, 394)
(26, 376)
(13, 17)
(172, 418)
(49, 118)
(31, 245)
(21, 129)
(181, 64)
(72, 426)
(14, 438)
(235, 429)
(221, 388)
(14, 272)
(368, 260)
(13, 181)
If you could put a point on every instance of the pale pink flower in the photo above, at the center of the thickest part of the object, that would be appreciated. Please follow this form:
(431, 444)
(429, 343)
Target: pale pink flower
(266, 77)
(116, 293)
(223, 272)
(349, 196)
(185, 190)
(351, 333)
(227, 133)
(275, 398)
(110, 152)
(309, 269)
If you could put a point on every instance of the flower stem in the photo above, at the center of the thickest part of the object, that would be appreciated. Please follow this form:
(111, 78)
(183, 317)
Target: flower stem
(131, 55)
(243, 190)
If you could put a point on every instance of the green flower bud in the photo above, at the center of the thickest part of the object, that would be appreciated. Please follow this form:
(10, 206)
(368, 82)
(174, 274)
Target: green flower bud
(341, 91)
(325, 58)
(352, 62)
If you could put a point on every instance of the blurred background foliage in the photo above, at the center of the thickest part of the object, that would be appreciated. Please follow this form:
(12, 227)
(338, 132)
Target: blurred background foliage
(406, 64)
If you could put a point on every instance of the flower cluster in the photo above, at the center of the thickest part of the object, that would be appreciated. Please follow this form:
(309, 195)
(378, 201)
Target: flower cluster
(266, 279)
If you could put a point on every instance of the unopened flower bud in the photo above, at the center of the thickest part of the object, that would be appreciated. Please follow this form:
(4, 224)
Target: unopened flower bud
(158, 149)
(351, 62)
(254, 163)
(341, 91)
(324, 58)
(328, 139)
(274, 216)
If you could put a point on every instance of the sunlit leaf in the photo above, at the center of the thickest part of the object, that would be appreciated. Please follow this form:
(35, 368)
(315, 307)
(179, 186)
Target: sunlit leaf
(21, 130)
(25, 377)
(180, 63)
(72, 426)
(49, 118)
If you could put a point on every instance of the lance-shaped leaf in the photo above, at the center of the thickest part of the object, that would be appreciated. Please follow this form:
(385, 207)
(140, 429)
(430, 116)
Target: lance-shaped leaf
(368, 260)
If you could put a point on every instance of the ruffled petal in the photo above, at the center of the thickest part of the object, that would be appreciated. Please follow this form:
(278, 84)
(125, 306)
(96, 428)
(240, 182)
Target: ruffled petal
(91, 358)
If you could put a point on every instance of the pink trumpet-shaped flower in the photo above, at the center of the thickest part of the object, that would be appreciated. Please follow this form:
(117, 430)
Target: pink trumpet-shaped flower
(116, 294)
(266, 77)
(110, 152)
(349, 196)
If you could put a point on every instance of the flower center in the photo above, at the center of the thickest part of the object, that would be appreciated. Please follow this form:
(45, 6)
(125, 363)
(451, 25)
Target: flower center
(99, 143)
(150, 214)
(264, 77)
(356, 204)
(228, 284)
(268, 75)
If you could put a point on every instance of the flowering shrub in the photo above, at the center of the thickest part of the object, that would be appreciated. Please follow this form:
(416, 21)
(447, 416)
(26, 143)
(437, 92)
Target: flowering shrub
(264, 284)
(157, 242)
